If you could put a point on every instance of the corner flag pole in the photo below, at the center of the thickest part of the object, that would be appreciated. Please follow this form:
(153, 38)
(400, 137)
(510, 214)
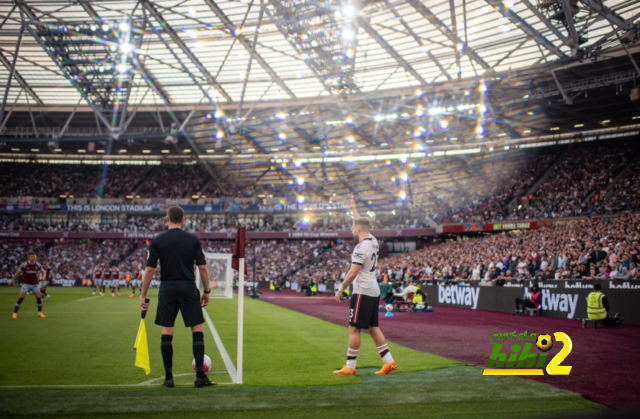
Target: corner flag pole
(238, 262)
(240, 318)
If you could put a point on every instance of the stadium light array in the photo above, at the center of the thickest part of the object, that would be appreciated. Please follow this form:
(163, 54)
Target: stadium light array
(126, 47)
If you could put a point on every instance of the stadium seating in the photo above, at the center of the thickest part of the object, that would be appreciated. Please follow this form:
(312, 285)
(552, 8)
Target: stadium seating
(563, 252)
(592, 178)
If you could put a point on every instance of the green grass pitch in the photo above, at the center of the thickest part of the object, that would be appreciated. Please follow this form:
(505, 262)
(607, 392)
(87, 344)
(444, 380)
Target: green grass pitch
(78, 362)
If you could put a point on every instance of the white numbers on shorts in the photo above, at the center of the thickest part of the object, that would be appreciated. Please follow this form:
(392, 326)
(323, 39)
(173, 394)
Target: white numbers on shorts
(350, 314)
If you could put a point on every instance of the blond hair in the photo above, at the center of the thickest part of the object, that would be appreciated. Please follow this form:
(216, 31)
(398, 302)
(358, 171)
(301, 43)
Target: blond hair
(362, 222)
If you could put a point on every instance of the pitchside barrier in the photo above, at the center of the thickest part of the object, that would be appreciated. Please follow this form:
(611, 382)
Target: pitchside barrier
(562, 299)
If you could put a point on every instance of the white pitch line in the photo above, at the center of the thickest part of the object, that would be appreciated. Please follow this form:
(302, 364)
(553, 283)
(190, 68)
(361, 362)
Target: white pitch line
(90, 298)
(231, 369)
(148, 383)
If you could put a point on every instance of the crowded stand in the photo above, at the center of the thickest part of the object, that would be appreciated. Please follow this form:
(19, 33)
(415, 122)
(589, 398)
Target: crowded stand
(193, 223)
(580, 180)
(89, 181)
(514, 183)
(54, 180)
(584, 249)
(330, 263)
(77, 259)
(622, 196)
(581, 171)
(573, 181)
(174, 181)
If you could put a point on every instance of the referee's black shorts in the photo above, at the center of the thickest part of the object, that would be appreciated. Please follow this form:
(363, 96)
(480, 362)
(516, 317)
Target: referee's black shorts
(180, 296)
(363, 311)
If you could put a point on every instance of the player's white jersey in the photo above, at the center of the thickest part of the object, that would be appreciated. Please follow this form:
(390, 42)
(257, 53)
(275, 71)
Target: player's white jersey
(366, 255)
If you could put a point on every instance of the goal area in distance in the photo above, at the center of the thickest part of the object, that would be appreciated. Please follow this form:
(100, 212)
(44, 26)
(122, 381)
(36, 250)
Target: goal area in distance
(220, 275)
(221, 283)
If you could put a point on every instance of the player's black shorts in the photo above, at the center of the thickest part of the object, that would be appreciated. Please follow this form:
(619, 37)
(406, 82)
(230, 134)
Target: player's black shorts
(363, 311)
(180, 296)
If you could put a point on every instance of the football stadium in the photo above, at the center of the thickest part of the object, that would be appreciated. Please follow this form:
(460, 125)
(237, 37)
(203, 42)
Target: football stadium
(319, 209)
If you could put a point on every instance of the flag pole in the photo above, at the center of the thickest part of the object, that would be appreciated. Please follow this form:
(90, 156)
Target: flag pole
(240, 318)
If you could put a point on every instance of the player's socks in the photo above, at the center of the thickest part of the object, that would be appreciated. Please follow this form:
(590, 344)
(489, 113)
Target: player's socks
(167, 356)
(198, 354)
(17, 307)
(352, 358)
(39, 302)
(385, 354)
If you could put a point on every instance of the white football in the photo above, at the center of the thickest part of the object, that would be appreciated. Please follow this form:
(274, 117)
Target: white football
(207, 364)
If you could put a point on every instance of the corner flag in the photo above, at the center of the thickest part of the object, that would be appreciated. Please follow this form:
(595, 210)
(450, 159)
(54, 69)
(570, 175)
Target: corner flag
(141, 347)
(238, 249)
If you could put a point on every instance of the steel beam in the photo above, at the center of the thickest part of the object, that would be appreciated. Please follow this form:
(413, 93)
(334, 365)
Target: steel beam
(286, 36)
(252, 54)
(13, 73)
(446, 31)
(546, 22)
(251, 48)
(452, 12)
(391, 51)
(183, 47)
(25, 10)
(159, 90)
(608, 14)
(528, 29)
(419, 40)
(571, 27)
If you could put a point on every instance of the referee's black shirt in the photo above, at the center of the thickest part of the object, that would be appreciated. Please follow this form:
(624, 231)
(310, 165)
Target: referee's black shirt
(177, 251)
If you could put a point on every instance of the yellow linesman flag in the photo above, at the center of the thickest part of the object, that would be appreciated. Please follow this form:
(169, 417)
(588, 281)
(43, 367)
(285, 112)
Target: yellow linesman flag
(142, 349)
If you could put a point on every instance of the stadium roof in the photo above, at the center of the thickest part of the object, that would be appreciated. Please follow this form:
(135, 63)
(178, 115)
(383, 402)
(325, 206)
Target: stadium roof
(250, 50)
(249, 85)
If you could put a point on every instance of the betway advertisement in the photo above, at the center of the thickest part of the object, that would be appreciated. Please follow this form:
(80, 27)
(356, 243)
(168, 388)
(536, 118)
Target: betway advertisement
(561, 299)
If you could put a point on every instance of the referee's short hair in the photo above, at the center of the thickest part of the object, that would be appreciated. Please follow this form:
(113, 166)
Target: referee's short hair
(362, 222)
(175, 214)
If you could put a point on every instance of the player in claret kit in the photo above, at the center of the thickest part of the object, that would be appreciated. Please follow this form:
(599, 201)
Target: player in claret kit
(46, 278)
(115, 281)
(136, 282)
(30, 271)
(98, 282)
(106, 280)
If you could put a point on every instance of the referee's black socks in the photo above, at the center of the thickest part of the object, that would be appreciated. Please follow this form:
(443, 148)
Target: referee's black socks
(198, 353)
(167, 355)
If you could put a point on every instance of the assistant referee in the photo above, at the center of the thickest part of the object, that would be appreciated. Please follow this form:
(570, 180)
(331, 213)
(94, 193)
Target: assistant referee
(178, 251)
